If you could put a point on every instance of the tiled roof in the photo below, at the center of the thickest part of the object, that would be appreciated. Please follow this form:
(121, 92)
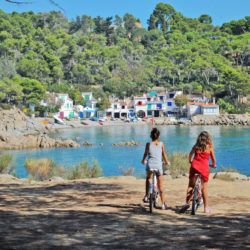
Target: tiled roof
(203, 104)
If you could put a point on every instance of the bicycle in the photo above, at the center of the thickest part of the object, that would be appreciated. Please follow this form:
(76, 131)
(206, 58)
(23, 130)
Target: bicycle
(153, 190)
(196, 196)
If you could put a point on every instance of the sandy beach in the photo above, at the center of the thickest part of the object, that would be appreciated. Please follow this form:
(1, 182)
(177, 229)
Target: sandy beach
(108, 213)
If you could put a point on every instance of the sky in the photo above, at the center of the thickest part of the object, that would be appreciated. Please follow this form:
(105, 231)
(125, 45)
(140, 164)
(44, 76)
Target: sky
(220, 10)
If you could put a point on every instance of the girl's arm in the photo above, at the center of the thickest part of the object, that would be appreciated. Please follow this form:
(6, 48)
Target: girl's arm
(191, 154)
(213, 157)
(145, 153)
(164, 154)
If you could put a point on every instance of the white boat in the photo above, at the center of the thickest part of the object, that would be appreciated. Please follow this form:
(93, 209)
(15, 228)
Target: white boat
(59, 120)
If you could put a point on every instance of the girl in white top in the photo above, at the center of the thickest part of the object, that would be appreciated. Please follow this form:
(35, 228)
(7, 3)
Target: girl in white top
(156, 155)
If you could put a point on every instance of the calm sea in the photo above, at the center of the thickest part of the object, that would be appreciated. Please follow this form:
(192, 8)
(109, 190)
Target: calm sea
(232, 147)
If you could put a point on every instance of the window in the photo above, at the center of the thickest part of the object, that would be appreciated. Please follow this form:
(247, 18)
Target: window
(159, 106)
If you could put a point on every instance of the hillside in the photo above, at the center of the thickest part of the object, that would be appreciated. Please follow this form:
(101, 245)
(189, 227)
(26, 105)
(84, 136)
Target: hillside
(116, 55)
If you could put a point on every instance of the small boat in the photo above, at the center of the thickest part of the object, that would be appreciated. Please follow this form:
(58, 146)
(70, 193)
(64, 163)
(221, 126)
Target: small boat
(59, 120)
(84, 123)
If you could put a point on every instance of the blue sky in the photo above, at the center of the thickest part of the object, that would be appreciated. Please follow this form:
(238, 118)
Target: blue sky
(220, 10)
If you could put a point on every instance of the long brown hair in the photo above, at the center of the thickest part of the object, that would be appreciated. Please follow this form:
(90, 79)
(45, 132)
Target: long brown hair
(203, 140)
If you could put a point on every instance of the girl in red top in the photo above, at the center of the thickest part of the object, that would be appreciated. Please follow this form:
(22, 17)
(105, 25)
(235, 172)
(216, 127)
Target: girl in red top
(199, 159)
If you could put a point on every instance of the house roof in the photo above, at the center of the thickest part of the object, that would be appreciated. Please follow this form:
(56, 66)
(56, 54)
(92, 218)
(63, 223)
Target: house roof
(152, 94)
(203, 104)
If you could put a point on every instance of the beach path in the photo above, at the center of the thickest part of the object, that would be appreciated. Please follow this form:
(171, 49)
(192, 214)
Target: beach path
(108, 213)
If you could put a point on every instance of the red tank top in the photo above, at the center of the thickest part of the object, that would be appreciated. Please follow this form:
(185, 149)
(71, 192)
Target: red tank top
(201, 162)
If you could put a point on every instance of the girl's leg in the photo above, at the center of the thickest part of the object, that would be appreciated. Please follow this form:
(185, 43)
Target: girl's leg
(190, 188)
(161, 188)
(147, 182)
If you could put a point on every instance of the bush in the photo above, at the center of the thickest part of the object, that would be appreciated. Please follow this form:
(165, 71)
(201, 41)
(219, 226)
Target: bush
(5, 163)
(179, 164)
(127, 171)
(228, 169)
(83, 170)
(40, 169)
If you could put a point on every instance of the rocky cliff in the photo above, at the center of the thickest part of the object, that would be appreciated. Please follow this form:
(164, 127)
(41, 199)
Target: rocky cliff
(17, 131)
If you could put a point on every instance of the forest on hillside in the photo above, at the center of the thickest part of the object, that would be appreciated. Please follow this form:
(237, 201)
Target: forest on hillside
(42, 52)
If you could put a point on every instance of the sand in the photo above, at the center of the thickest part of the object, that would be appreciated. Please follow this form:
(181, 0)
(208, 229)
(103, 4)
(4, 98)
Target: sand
(108, 213)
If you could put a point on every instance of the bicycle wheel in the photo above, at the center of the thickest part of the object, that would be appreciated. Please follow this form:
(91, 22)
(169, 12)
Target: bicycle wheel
(194, 201)
(155, 199)
(151, 203)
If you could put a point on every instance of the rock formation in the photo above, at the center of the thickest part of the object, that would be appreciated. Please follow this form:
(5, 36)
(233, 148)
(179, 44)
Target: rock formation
(17, 131)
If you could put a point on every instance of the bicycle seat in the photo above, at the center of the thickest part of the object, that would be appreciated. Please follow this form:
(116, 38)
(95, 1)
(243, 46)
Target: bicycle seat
(197, 175)
(154, 170)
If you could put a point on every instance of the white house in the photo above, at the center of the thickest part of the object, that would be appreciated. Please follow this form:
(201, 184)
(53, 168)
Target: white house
(210, 109)
(66, 106)
(156, 108)
(197, 108)
(173, 94)
(90, 101)
(118, 109)
(140, 106)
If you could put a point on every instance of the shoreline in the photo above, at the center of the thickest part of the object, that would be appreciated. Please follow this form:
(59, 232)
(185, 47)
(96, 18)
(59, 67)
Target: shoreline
(17, 131)
(222, 120)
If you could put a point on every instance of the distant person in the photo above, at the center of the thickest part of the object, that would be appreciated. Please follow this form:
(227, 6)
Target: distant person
(154, 156)
(199, 158)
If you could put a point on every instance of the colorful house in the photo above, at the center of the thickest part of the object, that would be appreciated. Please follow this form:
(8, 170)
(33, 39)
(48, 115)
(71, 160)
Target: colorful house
(66, 106)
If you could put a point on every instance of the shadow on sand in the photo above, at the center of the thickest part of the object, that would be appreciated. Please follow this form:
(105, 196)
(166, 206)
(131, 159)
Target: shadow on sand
(60, 217)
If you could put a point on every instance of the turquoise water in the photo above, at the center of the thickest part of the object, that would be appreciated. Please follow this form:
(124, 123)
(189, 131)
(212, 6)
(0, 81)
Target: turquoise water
(232, 147)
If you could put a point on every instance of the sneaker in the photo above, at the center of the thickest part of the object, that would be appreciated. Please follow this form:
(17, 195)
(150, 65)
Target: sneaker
(184, 208)
(145, 199)
(164, 206)
(207, 210)
(200, 202)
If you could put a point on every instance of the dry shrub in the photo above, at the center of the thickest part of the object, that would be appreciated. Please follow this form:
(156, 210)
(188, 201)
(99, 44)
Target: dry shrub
(224, 173)
(40, 169)
(5, 162)
(179, 164)
(83, 170)
(228, 169)
(127, 171)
